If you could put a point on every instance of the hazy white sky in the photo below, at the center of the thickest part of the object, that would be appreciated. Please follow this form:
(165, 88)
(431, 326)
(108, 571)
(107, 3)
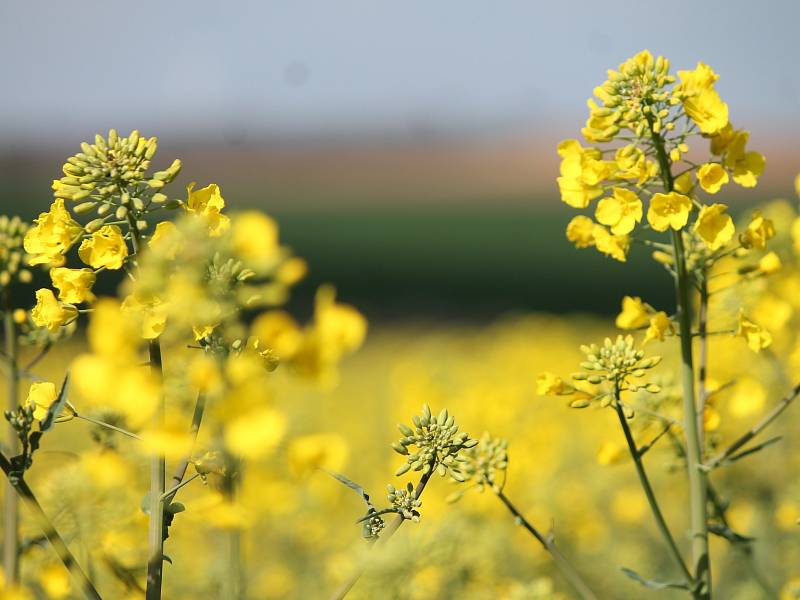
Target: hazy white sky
(294, 67)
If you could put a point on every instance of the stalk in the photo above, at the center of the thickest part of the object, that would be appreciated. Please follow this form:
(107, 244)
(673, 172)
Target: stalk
(702, 372)
(10, 501)
(569, 572)
(698, 509)
(155, 532)
(21, 488)
(388, 532)
(636, 455)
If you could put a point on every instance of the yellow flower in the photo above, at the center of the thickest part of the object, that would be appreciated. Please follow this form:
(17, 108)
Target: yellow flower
(105, 249)
(601, 126)
(757, 338)
(747, 166)
(74, 285)
(758, 232)
(55, 581)
(549, 384)
(165, 240)
(610, 453)
(712, 177)
(582, 173)
(615, 246)
(255, 237)
(52, 235)
(208, 203)
(700, 101)
(41, 396)
(659, 326)
(255, 434)
(319, 450)
(580, 231)
(49, 312)
(668, 210)
(150, 311)
(279, 331)
(769, 263)
(714, 226)
(634, 313)
(632, 163)
(683, 183)
(620, 212)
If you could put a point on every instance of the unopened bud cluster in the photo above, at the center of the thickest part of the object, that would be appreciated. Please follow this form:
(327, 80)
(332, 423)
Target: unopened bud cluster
(372, 527)
(486, 463)
(633, 98)
(12, 232)
(405, 502)
(113, 172)
(438, 444)
(615, 362)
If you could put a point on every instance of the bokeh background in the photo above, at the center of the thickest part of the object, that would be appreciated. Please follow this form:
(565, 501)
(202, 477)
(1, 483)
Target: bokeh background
(407, 149)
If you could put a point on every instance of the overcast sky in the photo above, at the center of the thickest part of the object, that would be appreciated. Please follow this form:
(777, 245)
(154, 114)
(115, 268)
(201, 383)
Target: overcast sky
(292, 67)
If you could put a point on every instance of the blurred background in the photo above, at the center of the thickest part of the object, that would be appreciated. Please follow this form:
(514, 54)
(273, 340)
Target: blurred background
(407, 149)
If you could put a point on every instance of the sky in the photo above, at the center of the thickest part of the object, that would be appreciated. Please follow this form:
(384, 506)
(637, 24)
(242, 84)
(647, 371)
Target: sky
(305, 69)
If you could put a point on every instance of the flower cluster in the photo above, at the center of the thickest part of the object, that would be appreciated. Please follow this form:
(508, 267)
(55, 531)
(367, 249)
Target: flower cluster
(404, 501)
(12, 254)
(438, 445)
(652, 115)
(486, 463)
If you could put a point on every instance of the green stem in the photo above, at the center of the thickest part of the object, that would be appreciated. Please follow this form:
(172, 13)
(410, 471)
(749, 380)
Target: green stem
(698, 509)
(745, 546)
(10, 501)
(702, 372)
(106, 425)
(387, 533)
(574, 578)
(180, 470)
(155, 535)
(651, 497)
(168, 495)
(755, 430)
(22, 489)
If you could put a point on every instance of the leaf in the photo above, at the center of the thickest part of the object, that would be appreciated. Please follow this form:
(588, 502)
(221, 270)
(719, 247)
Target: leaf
(56, 407)
(654, 585)
(352, 485)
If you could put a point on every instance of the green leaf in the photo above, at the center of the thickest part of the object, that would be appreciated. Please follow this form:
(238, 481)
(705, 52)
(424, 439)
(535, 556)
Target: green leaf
(729, 534)
(654, 585)
(56, 407)
(352, 485)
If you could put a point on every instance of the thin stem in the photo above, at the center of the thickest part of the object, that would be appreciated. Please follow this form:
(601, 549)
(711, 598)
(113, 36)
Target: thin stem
(388, 532)
(106, 425)
(39, 356)
(698, 510)
(10, 501)
(547, 542)
(56, 541)
(755, 430)
(702, 331)
(155, 532)
(651, 497)
(744, 545)
(183, 465)
(170, 493)
(155, 536)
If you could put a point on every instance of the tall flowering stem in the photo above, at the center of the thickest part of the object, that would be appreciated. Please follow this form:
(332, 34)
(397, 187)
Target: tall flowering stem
(698, 513)
(10, 502)
(155, 532)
